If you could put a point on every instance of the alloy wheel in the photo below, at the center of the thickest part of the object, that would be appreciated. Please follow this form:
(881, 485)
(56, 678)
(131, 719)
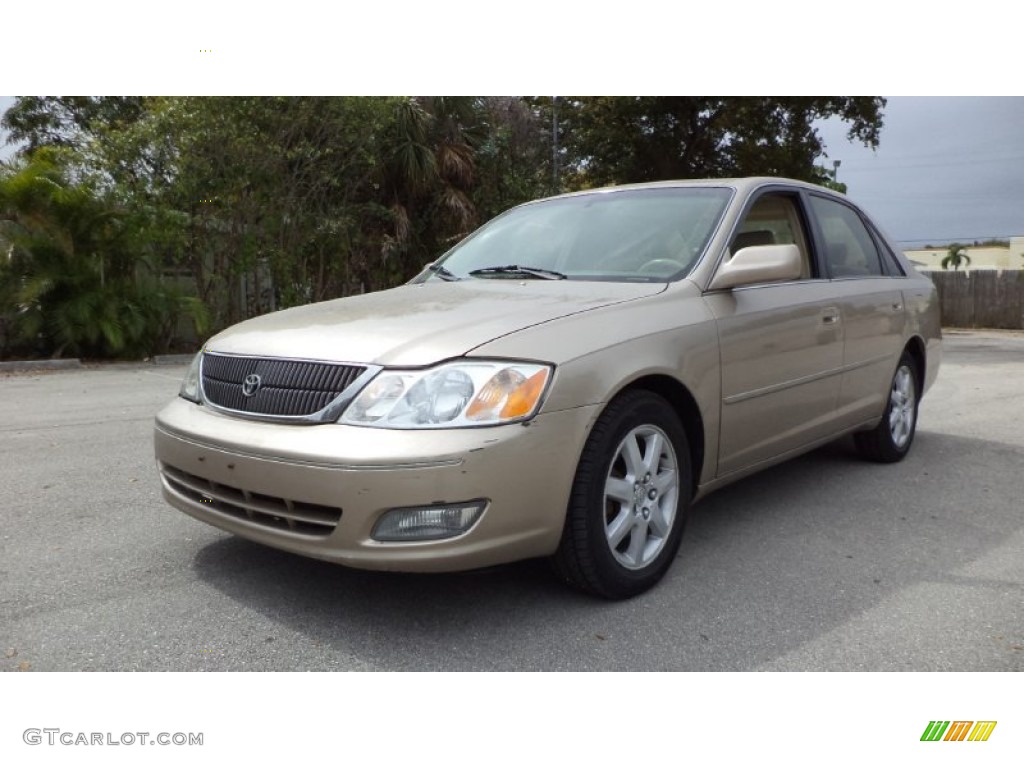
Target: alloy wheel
(641, 494)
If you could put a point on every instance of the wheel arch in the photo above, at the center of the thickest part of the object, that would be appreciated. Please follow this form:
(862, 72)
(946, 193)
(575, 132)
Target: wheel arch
(685, 407)
(916, 349)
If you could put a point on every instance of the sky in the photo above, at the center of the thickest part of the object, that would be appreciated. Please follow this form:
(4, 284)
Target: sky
(946, 168)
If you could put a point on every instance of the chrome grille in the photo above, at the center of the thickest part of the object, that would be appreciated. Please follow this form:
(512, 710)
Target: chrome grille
(266, 511)
(287, 387)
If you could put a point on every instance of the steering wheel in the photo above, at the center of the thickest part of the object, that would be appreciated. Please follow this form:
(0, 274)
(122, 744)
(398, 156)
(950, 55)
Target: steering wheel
(661, 266)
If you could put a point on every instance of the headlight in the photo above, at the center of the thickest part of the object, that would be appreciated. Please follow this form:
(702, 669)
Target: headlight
(190, 385)
(463, 394)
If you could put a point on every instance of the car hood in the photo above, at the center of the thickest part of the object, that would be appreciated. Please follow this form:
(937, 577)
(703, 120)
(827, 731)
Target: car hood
(419, 324)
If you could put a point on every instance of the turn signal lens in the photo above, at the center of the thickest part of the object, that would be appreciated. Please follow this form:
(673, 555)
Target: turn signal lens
(493, 394)
(508, 395)
(525, 397)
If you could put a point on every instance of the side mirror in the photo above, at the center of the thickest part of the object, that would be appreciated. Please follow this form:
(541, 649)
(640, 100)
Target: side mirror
(758, 264)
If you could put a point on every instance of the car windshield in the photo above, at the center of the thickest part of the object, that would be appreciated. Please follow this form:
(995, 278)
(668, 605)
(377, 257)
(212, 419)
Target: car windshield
(629, 235)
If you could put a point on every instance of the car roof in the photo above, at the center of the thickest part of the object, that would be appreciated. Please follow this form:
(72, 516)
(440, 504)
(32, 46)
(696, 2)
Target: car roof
(741, 185)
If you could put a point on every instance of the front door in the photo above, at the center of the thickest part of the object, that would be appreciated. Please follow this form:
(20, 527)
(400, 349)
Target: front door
(781, 348)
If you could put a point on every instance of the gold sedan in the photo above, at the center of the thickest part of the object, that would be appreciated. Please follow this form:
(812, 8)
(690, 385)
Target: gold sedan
(563, 383)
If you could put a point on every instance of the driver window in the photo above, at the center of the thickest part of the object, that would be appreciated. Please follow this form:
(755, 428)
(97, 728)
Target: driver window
(773, 220)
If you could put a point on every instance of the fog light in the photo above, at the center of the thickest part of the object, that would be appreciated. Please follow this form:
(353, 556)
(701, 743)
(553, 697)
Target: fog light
(427, 523)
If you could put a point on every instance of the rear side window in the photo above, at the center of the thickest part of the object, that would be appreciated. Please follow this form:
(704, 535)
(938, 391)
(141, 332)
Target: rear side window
(849, 248)
(889, 261)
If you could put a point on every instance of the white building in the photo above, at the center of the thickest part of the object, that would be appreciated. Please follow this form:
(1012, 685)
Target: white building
(982, 257)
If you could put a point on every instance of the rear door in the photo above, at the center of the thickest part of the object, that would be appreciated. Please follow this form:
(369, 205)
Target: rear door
(871, 305)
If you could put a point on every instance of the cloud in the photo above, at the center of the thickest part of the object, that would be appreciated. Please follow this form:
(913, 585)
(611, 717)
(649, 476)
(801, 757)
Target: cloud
(947, 168)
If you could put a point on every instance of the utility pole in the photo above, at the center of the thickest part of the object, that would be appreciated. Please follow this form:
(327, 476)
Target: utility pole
(554, 143)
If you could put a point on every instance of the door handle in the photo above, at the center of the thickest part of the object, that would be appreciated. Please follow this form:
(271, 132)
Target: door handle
(830, 316)
(897, 306)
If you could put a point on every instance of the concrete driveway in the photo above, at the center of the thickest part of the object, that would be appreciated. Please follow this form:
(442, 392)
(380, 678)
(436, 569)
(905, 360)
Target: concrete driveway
(823, 563)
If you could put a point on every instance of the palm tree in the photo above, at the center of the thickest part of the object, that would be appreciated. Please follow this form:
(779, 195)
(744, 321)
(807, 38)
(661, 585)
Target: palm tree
(70, 269)
(430, 173)
(956, 256)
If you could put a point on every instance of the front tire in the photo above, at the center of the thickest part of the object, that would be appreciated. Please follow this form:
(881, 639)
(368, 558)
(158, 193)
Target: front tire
(629, 499)
(890, 440)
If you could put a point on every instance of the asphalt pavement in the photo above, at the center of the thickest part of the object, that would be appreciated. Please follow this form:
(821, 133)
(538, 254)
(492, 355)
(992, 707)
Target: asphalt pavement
(823, 563)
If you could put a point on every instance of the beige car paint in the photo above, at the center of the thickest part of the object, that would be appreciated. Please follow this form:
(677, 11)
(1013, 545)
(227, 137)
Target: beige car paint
(771, 370)
(416, 325)
(367, 471)
(874, 332)
(781, 363)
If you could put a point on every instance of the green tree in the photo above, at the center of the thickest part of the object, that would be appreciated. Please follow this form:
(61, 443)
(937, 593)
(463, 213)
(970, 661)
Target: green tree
(271, 202)
(72, 279)
(956, 256)
(513, 157)
(253, 204)
(827, 179)
(68, 121)
(430, 171)
(633, 139)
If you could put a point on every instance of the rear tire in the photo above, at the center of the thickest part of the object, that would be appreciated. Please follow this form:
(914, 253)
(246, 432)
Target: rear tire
(891, 439)
(629, 499)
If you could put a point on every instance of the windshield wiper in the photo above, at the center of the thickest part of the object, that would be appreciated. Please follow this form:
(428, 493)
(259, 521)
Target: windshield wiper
(443, 272)
(518, 269)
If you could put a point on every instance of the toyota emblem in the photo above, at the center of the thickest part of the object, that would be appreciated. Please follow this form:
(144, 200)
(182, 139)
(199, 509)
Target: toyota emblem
(251, 385)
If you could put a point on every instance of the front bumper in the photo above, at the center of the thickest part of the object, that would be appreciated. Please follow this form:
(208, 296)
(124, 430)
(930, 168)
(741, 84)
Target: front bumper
(319, 490)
